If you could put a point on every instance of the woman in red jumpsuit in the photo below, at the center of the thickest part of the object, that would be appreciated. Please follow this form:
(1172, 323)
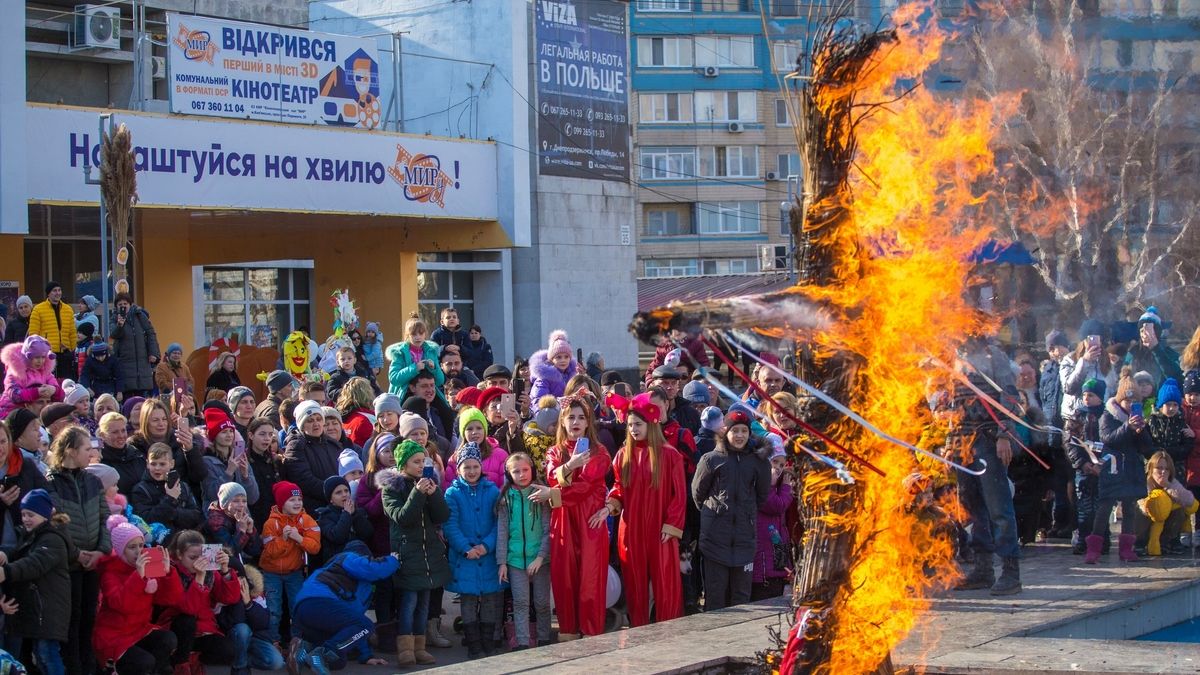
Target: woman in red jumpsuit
(651, 497)
(578, 539)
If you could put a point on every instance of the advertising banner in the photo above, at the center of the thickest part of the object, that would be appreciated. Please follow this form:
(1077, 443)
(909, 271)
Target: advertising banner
(582, 89)
(215, 164)
(251, 71)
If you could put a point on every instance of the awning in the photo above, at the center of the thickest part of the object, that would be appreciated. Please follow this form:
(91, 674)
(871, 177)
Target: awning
(658, 291)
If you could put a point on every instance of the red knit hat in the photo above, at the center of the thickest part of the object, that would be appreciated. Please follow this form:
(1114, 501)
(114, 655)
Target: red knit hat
(469, 396)
(216, 421)
(283, 491)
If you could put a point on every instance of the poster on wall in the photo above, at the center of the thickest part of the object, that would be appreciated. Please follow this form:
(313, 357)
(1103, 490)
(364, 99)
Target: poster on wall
(253, 71)
(582, 89)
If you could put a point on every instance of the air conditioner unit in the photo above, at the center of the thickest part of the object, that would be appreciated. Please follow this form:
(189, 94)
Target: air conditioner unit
(737, 127)
(97, 26)
(771, 175)
(158, 67)
(711, 71)
(772, 257)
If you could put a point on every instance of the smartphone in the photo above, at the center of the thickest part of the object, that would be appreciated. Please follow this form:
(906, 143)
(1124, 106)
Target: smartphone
(1093, 341)
(157, 566)
(173, 478)
(508, 403)
(428, 471)
(239, 447)
(9, 482)
(180, 387)
(581, 446)
(518, 386)
(208, 554)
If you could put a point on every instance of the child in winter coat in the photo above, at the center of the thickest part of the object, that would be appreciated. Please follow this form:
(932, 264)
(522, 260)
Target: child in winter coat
(229, 523)
(523, 549)
(471, 536)
(1167, 510)
(1122, 474)
(192, 619)
(246, 623)
(1083, 428)
(539, 432)
(35, 574)
(108, 477)
(411, 356)
(1191, 414)
(772, 556)
(341, 521)
(161, 496)
(551, 368)
(372, 347)
(124, 635)
(28, 374)
(101, 373)
(288, 536)
(1169, 431)
(472, 428)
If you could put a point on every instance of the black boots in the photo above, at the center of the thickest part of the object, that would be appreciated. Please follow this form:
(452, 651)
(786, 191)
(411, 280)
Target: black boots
(981, 575)
(1009, 582)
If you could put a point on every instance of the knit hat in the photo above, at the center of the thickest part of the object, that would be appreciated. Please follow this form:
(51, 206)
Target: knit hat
(283, 491)
(593, 358)
(38, 501)
(55, 412)
(330, 411)
(227, 492)
(497, 370)
(90, 301)
(18, 421)
(1169, 392)
(1057, 338)
(410, 422)
(1143, 376)
(86, 329)
(98, 348)
(696, 392)
(416, 405)
(1151, 316)
(741, 406)
(712, 418)
(278, 379)
(349, 461)
(235, 396)
(217, 420)
(388, 403)
(51, 285)
(121, 532)
(74, 393)
(35, 346)
(1093, 327)
(468, 451)
(546, 419)
(610, 377)
(736, 417)
(384, 442)
(777, 445)
(558, 343)
(1191, 382)
(23, 300)
(468, 415)
(468, 396)
(374, 326)
(405, 451)
(107, 475)
(1097, 387)
(127, 406)
(174, 347)
(331, 484)
(307, 409)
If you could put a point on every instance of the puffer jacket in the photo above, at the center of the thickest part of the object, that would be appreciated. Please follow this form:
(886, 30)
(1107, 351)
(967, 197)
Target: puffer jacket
(80, 495)
(403, 369)
(772, 512)
(133, 345)
(199, 600)
(729, 487)
(477, 355)
(125, 610)
(338, 528)
(21, 385)
(102, 377)
(472, 522)
(60, 331)
(307, 462)
(415, 518)
(1129, 450)
(36, 577)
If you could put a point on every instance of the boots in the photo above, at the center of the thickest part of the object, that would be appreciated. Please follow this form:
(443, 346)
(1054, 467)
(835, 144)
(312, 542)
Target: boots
(1009, 582)
(474, 640)
(1125, 548)
(1094, 543)
(488, 634)
(567, 637)
(385, 637)
(423, 657)
(433, 634)
(404, 651)
(981, 576)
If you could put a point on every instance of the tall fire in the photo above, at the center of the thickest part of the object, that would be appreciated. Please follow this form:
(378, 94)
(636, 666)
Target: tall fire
(895, 177)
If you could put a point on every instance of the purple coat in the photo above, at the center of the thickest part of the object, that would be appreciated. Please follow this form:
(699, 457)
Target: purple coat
(773, 512)
(546, 379)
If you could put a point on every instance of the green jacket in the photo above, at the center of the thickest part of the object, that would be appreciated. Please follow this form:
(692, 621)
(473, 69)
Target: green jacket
(80, 495)
(524, 529)
(37, 578)
(415, 518)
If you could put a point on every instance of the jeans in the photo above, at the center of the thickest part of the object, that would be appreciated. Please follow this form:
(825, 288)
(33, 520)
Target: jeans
(989, 503)
(413, 612)
(726, 586)
(521, 584)
(336, 625)
(275, 586)
(252, 652)
(49, 657)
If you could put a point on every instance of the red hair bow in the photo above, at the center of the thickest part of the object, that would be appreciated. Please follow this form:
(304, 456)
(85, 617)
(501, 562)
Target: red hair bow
(640, 405)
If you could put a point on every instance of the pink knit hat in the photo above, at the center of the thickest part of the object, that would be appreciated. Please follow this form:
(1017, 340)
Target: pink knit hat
(558, 343)
(35, 346)
(121, 532)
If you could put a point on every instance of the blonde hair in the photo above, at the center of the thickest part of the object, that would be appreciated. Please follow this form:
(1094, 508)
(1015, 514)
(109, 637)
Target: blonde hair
(148, 408)
(654, 447)
(106, 398)
(111, 421)
(159, 450)
(68, 439)
(356, 393)
(414, 322)
(1161, 455)
(1190, 359)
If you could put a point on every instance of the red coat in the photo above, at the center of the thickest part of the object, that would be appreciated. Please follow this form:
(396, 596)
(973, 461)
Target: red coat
(1191, 415)
(578, 551)
(198, 600)
(123, 618)
(359, 426)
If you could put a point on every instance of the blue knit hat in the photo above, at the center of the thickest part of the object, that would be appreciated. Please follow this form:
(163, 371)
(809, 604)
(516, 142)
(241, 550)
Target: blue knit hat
(1169, 392)
(1151, 316)
(39, 502)
(712, 418)
(1191, 382)
(469, 451)
(1093, 327)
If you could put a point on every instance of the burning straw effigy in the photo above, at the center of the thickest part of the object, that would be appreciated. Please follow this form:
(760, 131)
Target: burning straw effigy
(884, 227)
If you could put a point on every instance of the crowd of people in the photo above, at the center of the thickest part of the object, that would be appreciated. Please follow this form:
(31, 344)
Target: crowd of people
(153, 526)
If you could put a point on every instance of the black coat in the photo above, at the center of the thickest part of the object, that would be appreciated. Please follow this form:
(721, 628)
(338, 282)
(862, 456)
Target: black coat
(102, 377)
(266, 474)
(30, 478)
(36, 577)
(133, 345)
(477, 355)
(729, 487)
(16, 329)
(151, 502)
(1130, 451)
(338, 528)
(130, 464)
(189, 463)
(80, 495)
(307, 462)
(223, 379)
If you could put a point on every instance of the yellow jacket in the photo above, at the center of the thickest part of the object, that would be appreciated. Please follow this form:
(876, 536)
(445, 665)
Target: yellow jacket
(41, 322)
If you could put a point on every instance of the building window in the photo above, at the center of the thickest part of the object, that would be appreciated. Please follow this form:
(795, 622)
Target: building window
(728, 217)
(668, 52)
(439, 289)
(729, 266)
(783, 117)
(258, 305)
(726, 106)
(788, 164)
(670, 222)
(667, 163)
(784, 54)
(664, 5)
(665, 107)
(670, 267)
(730, 51)
(734, 161)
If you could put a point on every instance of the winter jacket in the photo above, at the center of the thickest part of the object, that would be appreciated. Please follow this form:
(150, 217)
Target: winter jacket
(374, 354)
(199, 600)
(80, 495)
(307, 462)
(729, 487)
(477, 355)
(223, 379)
(522, 530)
(337, 529)
(353, 575)
(1074, 374)
(1191, 477)
(444, 336)
(58, 330)
(165, 374)
(1050, 390)
(125, 610)
(1166, 434)
(415, 518)
(282, 555)
(221, 528)
(22, 385)
(266, 474)
(402, 369)
(1083, 426)
(1161, 362)
(151, 501)
(338, 380)
(773, 512)
(546, 378)
(36, 577)
(686, 416)
(129, 462)
(1129, 450)
(493, 466)
(472, 522)
(369, 499)
(16, 329)
(217, 477)
(28, 478)
(133, 345)
(268, 408)
(102, 377)
(360, 426)
(692, 344)
(189, 463)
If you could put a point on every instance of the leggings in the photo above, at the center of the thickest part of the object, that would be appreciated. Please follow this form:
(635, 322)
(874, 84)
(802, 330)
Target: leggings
(213, 648)
(77, 653)
(1104, 508)
(152, 654)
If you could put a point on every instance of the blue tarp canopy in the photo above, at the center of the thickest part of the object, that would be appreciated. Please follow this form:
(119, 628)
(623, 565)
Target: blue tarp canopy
(1002, 253)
